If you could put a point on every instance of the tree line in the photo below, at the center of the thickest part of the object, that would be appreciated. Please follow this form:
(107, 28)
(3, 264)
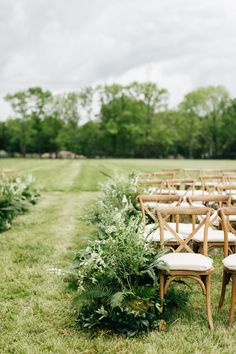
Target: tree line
(121, 121)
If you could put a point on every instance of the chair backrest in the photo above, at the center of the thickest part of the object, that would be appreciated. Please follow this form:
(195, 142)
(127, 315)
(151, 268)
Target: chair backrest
(218, 199)
(159, 198)
(208, 200)
(180, 183)
(228, 188)
(210, 182)
(178, 211)
(154, 186)
(224, 214)
(160, 174)
(229, 177)
(216, 178)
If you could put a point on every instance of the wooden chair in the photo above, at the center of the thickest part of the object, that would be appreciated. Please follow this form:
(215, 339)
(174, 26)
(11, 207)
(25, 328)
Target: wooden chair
(153, 186)
(229, 189)
(175, 170)
(229, 177)
(181, 186)
(210, 182)
(160, 174)
(229, 263)
(215, 236)
(148, 205)
(148, 202)
(186, 264)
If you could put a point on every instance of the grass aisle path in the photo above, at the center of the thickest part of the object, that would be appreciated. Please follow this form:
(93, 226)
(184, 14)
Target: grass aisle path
(33, 301)
(35, 309)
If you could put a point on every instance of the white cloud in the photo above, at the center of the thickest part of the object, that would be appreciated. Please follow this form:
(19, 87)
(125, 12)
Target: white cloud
(63, 45)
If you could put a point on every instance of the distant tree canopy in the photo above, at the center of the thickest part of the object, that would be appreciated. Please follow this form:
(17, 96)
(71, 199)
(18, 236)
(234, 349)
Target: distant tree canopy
(130, 121)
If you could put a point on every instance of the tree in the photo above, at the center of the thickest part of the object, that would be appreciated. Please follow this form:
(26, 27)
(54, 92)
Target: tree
(207, 103)
(228, 145)
(30, 107)
(86, 100)
(155, 100)
(122, 120)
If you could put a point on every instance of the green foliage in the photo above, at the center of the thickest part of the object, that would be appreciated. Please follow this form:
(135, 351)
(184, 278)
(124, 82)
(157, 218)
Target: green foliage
(117, 274)
(16, 196)
(118, 199)
(120, 121)
(117, 280)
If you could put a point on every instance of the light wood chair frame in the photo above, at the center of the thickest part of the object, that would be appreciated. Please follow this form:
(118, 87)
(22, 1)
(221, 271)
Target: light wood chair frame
(218, 179)
(150, 211)
(227, 188)
(159, 198)
(203, 278)
(159, 184)
(163, 174)
(229, 177)
(187, 183)
(222, 200)
(228, 274)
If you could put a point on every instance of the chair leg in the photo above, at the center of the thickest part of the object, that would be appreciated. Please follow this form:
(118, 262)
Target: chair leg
(233, 300)
(225, 281)
(196, 247)
(162, 286)
(208, 301)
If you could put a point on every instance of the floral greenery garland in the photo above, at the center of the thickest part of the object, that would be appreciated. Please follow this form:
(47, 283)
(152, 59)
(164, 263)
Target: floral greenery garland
(16, 196)
(117, 274)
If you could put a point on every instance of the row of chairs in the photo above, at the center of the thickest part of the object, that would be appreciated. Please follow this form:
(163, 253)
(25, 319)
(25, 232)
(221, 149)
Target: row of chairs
(190, 226)
(187, 187)
(204, 174)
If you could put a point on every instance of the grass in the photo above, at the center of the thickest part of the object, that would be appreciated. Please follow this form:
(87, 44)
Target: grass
(35, 303)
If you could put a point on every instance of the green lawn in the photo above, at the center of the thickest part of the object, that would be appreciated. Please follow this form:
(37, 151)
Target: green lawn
(35, 304)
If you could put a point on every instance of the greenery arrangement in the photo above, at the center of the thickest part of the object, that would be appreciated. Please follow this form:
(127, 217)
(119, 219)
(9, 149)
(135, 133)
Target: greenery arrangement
(116, 275)
(16, 196)
(119, 195)
(131, 120)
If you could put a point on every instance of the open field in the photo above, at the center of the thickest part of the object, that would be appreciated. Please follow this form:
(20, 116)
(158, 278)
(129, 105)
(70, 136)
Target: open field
(35, 303)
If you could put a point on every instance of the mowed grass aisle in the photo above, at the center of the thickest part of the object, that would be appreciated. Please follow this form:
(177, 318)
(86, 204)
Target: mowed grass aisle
(36, 315)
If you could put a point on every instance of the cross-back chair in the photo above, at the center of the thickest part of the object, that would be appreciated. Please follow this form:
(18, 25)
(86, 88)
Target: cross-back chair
(153, 186)
(229, 262)
(148, 205)
(215, 236)
(181, 186)
(229, 177)
(183, 262)
(228, 188)
(159, 174)
(175, 170)
(210, 182)
(150, 202)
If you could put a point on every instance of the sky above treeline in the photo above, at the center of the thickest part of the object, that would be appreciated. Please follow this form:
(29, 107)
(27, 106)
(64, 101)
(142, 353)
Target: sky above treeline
(64, 45)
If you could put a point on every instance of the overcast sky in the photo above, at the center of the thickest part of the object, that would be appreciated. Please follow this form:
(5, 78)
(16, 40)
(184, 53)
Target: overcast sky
(67, 44)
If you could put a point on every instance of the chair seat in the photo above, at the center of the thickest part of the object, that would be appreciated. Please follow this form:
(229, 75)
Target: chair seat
(184, 229)
(230, 262)
(157, 190)
(153, 235)
(199, 192)
(213, 236)
(156, 204)
(211, 184)
(232, 217)
(181, 192)
(188, 261)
